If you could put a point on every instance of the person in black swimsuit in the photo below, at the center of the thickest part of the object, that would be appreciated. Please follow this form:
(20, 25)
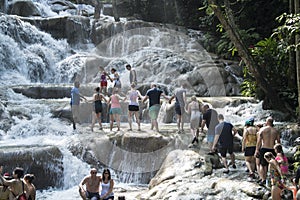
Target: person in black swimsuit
(97, 98)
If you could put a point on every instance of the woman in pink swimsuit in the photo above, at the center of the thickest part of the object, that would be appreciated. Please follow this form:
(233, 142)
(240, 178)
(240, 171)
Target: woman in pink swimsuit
(115, 109)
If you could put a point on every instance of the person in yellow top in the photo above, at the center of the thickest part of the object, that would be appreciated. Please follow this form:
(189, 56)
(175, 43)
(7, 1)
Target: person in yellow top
(249, 145)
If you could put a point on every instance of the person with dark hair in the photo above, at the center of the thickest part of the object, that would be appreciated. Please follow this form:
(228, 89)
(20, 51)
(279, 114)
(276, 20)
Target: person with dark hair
(281, 159)
(30, 191)
(91, 183)
(153, 95)
(97, 99)
(16, 185)
(268, 136)
(210, 119)
(224, 136)
(132, 74)
(107, 186)
(75, 101)
(249, 145)
(103, 81)
(115, 79)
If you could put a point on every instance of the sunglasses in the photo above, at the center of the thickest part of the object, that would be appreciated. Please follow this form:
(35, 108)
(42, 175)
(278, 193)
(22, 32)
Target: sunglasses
(93, 172)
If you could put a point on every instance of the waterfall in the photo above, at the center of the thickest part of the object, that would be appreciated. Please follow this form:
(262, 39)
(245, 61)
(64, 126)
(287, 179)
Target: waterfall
(160, 53)
(28, 54)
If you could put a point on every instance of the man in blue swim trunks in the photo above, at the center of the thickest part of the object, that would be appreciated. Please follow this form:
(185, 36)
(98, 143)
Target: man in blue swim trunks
(153, 95)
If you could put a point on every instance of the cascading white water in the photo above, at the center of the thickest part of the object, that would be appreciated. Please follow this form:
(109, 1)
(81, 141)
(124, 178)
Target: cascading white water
(30, 56)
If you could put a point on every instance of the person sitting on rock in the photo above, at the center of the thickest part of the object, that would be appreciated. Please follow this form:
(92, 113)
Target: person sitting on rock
(107, 186)
(91, 183)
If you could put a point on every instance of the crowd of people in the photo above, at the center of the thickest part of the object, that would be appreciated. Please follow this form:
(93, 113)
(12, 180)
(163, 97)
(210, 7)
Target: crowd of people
(264, 156)
(16, 186)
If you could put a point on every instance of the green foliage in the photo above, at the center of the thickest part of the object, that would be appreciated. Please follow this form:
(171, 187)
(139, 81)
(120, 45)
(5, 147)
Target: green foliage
(272, 55)
(296, 164)
(272, 60)
(225, 47)
(248, 88)
(285, 33)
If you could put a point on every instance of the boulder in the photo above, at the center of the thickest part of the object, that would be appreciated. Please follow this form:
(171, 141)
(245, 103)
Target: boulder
(182, 177)
(212, 161)
(108, 9)
(61, 5)
(135, 156)
(45, 162)
(25, 8)
(76, 29)
(44, 92)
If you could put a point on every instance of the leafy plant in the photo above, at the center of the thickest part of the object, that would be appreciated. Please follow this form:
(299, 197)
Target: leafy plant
(296, 163)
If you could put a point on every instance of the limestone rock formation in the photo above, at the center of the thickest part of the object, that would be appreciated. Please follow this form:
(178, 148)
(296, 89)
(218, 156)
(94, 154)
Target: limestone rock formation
(44, 162)
(24, 8)
(182, 177)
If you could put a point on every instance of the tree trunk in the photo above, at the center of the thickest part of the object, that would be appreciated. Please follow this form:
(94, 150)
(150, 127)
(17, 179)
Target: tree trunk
(297, 42)
(292, 72)
(232, 30)
(98, 6)
(115, 10)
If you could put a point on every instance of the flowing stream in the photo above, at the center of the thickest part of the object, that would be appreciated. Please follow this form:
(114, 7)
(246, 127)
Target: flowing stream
(31, 57)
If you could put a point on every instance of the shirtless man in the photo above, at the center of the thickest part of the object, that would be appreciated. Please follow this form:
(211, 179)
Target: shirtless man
(92, 183)
(267, 137)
